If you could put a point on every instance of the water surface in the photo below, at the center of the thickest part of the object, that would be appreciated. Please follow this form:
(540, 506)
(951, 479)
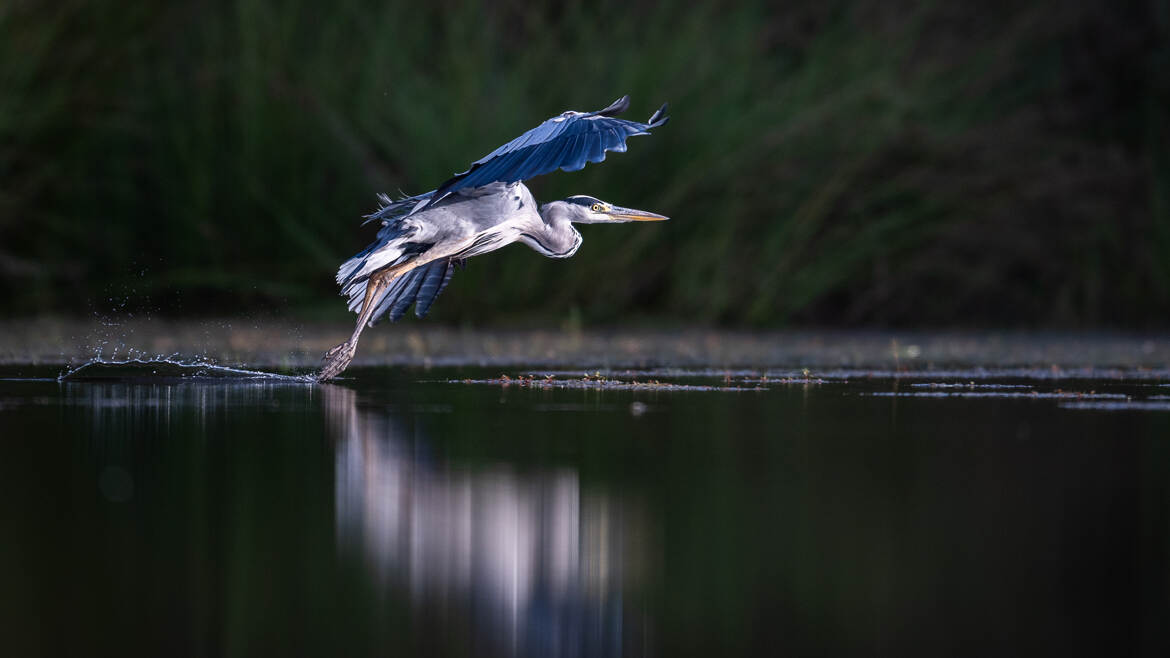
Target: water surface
(464, 511)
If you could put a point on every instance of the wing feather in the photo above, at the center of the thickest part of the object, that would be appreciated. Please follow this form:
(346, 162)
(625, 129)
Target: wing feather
(575, 159)
(419, 287)
(408, 294)
(567, 141)
(391, 210)
(437, 279)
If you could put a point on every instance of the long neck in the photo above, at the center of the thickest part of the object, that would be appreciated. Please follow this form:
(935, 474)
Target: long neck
(554, 236)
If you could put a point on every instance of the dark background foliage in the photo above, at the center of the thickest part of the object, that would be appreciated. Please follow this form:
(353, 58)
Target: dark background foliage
(829, 163)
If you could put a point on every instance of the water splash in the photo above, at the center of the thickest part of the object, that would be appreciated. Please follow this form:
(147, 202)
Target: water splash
(170, 367)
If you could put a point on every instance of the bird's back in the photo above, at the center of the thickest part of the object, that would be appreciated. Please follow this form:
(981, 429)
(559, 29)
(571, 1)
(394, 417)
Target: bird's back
(482, 208)
(457, 227)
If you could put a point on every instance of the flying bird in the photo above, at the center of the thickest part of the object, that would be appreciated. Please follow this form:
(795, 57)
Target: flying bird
(424, 238)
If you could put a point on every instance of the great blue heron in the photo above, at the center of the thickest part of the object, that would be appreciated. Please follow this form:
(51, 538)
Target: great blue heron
(424, 237)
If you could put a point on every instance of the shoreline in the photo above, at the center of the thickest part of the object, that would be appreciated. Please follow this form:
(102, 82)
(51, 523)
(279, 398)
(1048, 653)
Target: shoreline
(45, 341)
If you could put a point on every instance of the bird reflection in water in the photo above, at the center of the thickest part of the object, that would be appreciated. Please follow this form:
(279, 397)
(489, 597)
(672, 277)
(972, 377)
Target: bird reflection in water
(537, 563)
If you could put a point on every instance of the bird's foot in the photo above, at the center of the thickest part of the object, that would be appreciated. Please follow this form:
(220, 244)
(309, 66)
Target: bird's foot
(337, 360)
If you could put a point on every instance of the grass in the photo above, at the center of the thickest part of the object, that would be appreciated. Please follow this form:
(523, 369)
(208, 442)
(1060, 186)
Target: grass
(843, 163)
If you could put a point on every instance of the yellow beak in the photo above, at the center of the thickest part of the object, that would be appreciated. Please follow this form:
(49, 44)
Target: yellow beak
(631, 215)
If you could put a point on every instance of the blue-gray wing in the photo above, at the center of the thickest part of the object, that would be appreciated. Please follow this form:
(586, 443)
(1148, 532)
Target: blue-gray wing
(566, 141)
(419, 287)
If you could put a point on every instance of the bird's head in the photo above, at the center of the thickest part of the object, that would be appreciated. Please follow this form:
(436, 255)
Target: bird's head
(584, 209)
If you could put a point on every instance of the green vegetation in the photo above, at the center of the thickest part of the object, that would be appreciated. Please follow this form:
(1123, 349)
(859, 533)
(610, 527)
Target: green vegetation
(830, 163)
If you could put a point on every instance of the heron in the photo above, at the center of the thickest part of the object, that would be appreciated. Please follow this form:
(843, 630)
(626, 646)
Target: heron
(426, 237)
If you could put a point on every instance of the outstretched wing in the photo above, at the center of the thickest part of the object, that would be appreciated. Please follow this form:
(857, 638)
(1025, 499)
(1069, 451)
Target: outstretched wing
(566, 141)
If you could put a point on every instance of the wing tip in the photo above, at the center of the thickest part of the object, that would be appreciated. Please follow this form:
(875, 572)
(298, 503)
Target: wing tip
(615, 108)
(659, 118)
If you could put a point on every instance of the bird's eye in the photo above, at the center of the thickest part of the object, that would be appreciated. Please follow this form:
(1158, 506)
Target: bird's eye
(597, 207)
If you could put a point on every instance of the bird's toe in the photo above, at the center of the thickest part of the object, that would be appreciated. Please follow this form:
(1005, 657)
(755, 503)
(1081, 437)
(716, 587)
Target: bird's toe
(336, 360)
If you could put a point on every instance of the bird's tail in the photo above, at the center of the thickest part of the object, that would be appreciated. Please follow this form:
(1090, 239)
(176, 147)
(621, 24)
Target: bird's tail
(353, 286)
(391, 247)
(349, 268)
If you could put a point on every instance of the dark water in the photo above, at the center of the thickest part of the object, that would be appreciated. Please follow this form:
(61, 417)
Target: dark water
(417, 512)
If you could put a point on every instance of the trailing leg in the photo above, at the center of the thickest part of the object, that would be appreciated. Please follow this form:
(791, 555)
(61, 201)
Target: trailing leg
(338, 358)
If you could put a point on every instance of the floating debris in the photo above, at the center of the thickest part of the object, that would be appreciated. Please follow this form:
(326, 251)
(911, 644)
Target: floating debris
(838, 375)
(1031, 374)
(1003, 395)
(973, 386)
(791, 380)
(1128, 405)
(706, 373)
(730, 378)
(597, 382)
(1091, 400)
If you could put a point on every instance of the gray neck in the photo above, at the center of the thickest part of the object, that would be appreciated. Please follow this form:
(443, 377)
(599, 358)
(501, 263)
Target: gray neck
(555, 236)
